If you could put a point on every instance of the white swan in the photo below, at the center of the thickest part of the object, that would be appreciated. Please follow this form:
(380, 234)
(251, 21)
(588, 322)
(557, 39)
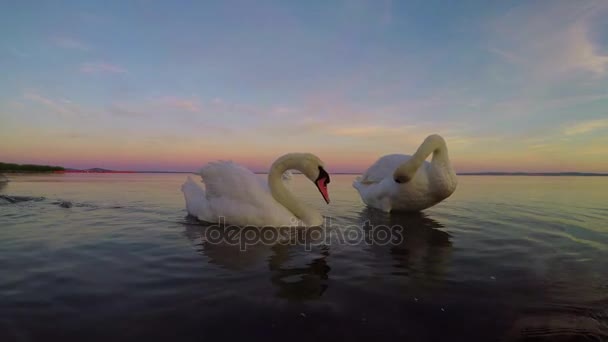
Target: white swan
(398, 182)
(243, 199)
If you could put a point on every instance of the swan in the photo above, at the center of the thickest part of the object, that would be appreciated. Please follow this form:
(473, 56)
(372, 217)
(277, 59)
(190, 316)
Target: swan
(241, 198)
(398, 182)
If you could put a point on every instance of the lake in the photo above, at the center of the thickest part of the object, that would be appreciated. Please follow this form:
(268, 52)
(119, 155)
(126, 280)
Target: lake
(114, 257)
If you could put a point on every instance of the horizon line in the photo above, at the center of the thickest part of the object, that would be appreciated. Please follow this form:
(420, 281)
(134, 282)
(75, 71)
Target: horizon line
(468, 173)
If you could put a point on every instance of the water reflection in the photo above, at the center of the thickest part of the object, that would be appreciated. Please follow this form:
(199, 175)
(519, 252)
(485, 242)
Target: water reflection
(424, 249)
(306, 282)
(224, 254)
(295, 275)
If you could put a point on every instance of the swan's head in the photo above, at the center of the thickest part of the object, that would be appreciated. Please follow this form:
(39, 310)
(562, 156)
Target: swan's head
(321, 182)
(314, 169)
(311, 166)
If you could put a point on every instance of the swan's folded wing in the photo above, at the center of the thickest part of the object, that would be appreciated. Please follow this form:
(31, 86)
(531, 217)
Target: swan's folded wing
(228, 179)
(382, 168)
(240, 196)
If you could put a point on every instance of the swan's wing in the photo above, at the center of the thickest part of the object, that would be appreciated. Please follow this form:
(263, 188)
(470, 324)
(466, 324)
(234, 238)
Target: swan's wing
(240, 197)
(211, 208)
(231, 180)
(382, 168)
(196, 201)
(374, 192)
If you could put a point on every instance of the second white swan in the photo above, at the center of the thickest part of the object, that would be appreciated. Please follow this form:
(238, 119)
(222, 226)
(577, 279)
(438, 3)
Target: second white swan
(409, 183)
(241, 198)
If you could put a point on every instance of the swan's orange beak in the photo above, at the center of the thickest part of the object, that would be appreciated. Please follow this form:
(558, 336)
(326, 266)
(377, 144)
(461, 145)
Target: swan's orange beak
(321, 183)
(322, 186)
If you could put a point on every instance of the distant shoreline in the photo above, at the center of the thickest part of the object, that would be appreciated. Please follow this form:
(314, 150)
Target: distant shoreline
(13, 168)
(532, 174)
(491, 173)
(500, 174)
(30, 169)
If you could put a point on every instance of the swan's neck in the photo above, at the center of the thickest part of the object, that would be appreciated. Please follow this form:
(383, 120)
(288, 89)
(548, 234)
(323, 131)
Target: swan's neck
(282, 195)
(433, 144)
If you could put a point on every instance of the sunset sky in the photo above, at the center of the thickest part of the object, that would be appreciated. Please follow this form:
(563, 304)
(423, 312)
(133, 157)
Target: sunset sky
(170, 85)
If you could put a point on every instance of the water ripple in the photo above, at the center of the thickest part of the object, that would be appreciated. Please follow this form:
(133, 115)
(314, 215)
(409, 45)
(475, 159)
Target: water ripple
(502, 258)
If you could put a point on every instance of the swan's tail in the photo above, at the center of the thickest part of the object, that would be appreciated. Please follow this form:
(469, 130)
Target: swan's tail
(357, 182)
(195, 197)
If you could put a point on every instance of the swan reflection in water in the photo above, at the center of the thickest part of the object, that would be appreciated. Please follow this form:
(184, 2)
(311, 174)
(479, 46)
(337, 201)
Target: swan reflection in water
(304, 282)
(299, 273)
(292, 271)
(424, 249)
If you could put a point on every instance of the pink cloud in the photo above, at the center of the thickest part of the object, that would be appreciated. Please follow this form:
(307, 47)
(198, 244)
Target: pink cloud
(190, 105)
(62, 107)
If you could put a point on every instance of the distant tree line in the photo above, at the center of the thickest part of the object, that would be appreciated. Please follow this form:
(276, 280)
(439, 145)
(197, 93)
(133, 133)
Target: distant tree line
(9, 167)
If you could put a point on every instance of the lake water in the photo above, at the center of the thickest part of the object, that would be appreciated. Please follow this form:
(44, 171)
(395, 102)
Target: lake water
(504, 258)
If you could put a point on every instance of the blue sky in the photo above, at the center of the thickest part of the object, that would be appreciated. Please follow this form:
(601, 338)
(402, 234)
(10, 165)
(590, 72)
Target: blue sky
(172, 85)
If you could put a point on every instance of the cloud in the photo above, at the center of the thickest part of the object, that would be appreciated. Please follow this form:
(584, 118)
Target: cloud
(95, 68)
(124, 110)
(578, 52)
(370, 12)
(552, 40)
(76, 135)
(507, 56)
(157, 106)
(17, 52)
(401, 136)
(586, 127)
(186, 104)
(367, 131)
(62, 107)
(70, 43)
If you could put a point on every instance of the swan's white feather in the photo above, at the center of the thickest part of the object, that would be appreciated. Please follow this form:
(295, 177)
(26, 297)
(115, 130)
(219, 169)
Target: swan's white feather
(222, 178)
(383, 167)
(237, 195)
(432, 183)
(196, 200)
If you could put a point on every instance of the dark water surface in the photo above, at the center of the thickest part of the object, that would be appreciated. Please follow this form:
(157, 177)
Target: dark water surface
(114, 257)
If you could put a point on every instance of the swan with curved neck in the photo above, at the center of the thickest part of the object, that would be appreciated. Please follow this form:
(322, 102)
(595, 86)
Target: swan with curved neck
(235, 195)
(398, 182)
